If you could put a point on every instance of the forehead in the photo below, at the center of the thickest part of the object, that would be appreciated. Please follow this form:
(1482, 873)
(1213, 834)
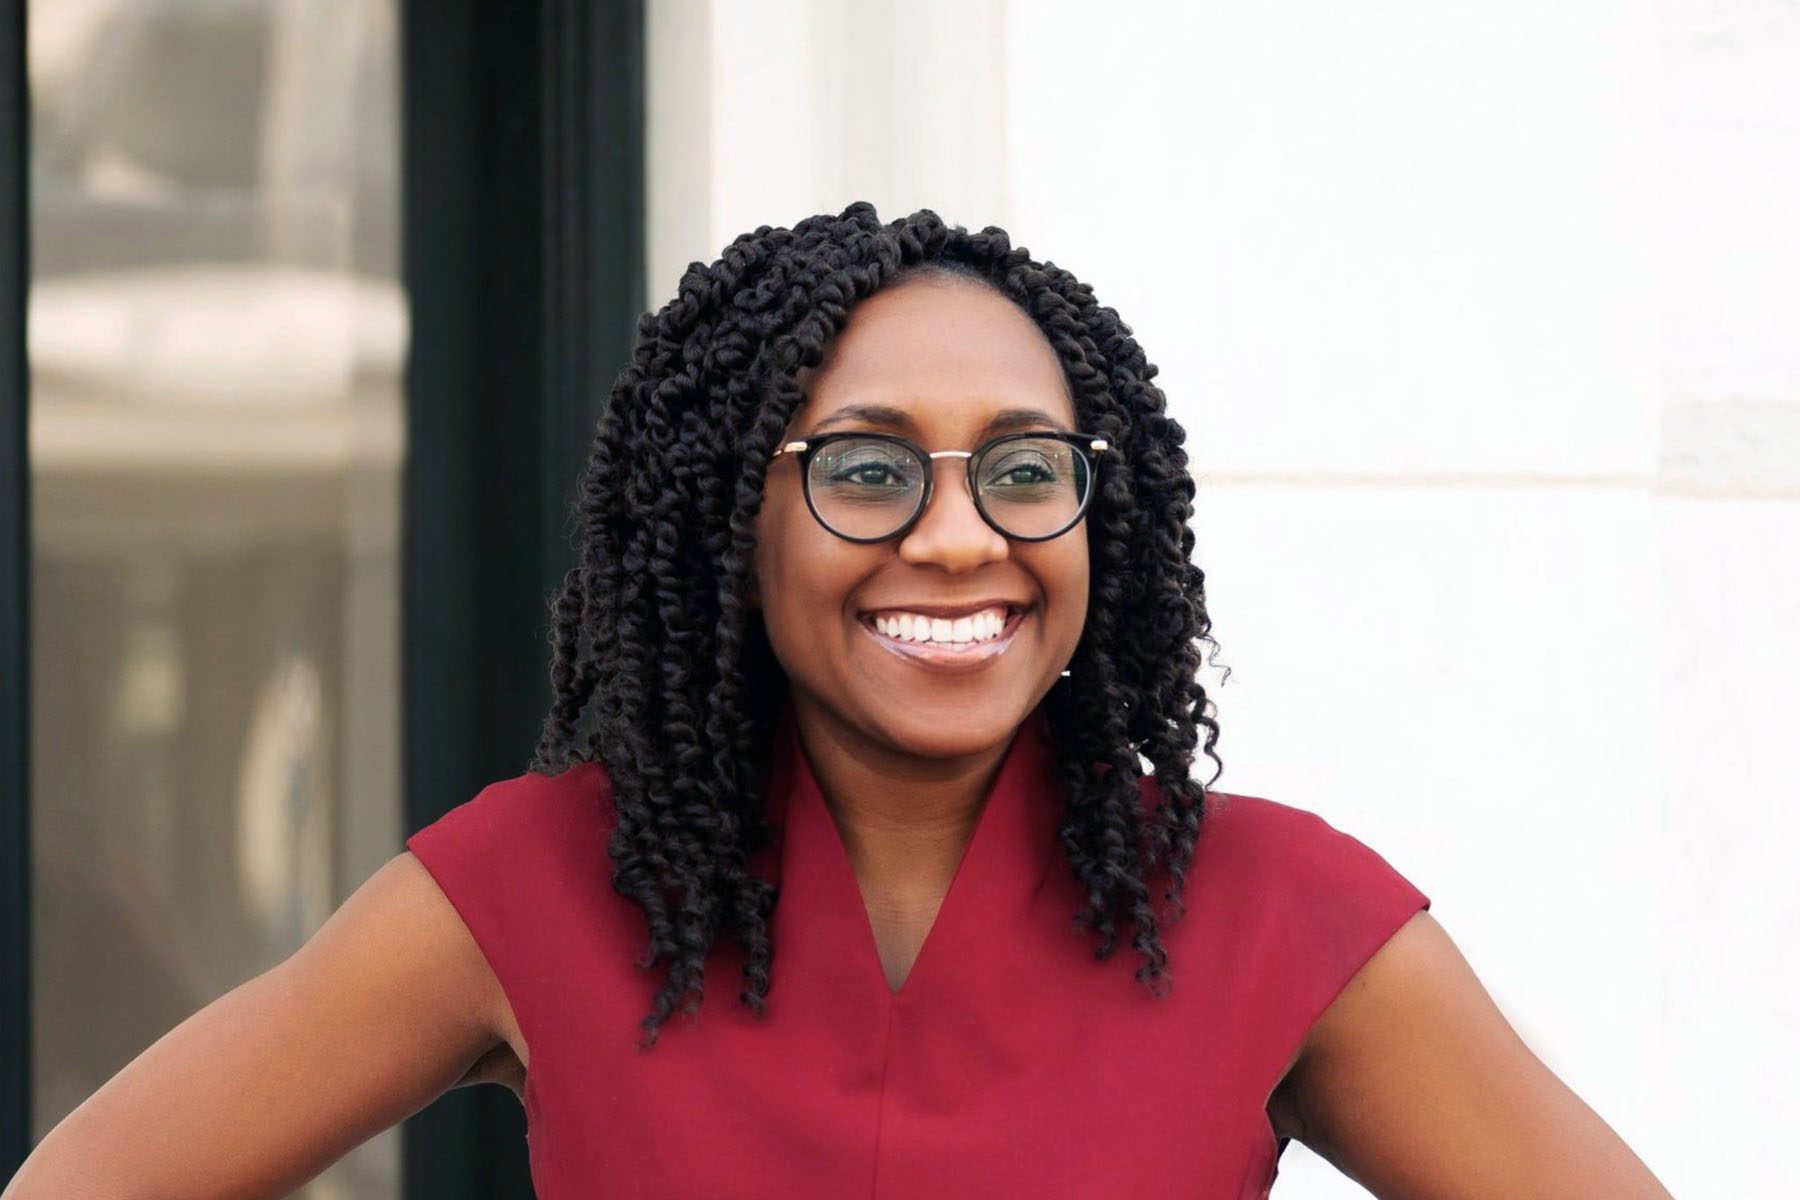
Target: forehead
(936, 356)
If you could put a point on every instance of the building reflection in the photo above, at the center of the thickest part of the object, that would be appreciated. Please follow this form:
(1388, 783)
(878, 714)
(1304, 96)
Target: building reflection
(217, 333)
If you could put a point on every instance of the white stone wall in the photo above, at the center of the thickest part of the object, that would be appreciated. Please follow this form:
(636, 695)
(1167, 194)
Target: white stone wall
(1482, 322)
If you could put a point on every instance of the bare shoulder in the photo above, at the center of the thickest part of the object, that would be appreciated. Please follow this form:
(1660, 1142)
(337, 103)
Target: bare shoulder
(506, 1061)
(398, 928)
(1414, 1084)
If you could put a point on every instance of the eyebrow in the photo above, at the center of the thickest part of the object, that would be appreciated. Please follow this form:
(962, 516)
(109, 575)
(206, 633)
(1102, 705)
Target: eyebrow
(886, 415)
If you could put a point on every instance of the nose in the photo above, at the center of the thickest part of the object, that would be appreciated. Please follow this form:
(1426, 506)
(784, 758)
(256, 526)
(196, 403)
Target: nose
(950, 532)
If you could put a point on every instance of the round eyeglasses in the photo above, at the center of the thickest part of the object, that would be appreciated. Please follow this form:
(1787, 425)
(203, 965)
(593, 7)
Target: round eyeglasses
(869, 487)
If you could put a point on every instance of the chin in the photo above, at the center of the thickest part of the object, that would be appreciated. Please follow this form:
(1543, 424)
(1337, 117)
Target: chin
(952, 729)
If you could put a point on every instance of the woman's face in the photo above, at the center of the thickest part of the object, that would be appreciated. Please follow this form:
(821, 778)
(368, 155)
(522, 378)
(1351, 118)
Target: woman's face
(948, 355)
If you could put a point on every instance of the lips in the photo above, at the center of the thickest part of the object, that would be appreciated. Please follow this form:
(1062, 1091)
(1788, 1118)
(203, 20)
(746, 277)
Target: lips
(967, 657)
(874, 618)
(947, 612)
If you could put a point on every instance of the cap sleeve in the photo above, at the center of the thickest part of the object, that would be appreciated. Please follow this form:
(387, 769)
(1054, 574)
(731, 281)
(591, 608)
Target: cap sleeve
(516, 862)
(1314, 904)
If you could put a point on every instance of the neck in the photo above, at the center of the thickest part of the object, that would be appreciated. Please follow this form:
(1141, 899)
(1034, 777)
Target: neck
(905, 819)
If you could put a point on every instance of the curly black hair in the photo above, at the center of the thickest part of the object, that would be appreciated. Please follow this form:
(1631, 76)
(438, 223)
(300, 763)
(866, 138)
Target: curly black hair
(653, 623)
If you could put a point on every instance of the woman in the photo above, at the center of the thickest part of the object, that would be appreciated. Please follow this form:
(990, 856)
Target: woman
(884, 603)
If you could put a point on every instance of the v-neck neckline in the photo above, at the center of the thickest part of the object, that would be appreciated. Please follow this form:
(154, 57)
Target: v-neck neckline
(1001, 866)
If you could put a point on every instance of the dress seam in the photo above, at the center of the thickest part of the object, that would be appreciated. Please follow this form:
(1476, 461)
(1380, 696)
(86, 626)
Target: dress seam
(881, 1106)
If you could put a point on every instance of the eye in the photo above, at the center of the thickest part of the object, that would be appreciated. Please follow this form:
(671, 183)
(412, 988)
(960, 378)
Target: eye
(1025, 467)
(865, 466)
(867, 474)
(1027, 473)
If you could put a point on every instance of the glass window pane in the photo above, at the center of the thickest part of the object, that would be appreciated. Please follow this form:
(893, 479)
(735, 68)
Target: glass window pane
(217, 332)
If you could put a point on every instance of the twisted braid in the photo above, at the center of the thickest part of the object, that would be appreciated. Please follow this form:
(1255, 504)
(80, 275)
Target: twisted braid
(652, 627)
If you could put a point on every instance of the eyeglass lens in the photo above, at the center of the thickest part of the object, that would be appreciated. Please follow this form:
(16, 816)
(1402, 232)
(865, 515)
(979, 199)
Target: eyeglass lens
(1030, 487)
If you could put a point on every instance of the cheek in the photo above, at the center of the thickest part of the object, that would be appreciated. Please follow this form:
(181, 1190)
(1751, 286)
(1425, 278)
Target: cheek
(1064, 565)
(801, 572)
(1074, 582)
(1061, 568)
(774, 539)
(1079, 557)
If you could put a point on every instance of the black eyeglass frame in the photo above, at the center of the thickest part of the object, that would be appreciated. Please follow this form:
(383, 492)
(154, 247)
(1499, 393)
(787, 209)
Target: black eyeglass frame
(1089, 446)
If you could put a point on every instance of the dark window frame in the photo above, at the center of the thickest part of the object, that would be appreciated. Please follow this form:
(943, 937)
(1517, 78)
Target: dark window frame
(15, 598)
(523, 247)
(523, 252)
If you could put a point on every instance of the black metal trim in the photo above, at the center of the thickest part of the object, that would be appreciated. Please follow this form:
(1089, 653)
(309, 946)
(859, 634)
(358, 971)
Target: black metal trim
(523, 239)
(15, 597)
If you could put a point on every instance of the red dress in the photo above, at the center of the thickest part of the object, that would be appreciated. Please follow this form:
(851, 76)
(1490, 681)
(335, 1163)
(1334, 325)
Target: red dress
(1009, 1064)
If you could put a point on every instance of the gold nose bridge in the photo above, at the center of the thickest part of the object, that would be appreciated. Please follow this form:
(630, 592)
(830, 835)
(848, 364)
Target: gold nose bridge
(968, 484)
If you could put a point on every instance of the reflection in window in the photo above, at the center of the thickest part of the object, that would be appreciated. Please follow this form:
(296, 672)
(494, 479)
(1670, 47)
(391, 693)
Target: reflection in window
(217, 331)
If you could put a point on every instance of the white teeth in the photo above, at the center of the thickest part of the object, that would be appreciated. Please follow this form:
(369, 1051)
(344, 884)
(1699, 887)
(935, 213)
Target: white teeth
(915, 627)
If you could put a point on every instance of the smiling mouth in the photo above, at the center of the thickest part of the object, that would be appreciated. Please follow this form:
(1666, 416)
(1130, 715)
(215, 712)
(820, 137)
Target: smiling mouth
(1010, 621)
(950, 655)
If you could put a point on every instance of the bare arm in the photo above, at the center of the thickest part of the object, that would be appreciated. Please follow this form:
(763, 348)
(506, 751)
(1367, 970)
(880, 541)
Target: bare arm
(1414, 1085)
(386, 1007)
